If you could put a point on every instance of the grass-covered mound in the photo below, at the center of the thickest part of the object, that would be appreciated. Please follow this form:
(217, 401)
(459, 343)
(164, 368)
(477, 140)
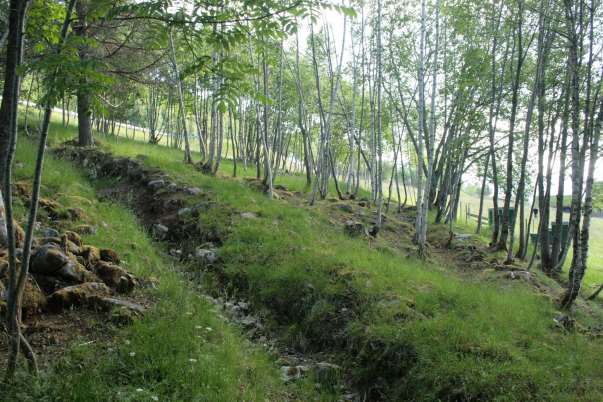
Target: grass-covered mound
(403, 329)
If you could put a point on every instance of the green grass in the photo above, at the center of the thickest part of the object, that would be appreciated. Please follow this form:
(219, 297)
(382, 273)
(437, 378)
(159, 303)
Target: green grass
(180, 351)
(405, 329)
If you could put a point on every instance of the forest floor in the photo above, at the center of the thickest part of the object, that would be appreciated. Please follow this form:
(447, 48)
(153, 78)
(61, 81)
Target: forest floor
(320, 297)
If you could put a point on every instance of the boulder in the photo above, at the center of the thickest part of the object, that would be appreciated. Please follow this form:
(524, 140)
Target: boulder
(74, 237)
(74, 272)
(48, 260)
(50, 232)
(115, 276)
(78, 295)
(90, 255)
(156, 184)
(106, 254)
(355, 229)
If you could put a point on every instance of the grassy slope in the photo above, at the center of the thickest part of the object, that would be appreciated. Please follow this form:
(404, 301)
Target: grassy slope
(182, 350)
(443, 336)
(594, 274)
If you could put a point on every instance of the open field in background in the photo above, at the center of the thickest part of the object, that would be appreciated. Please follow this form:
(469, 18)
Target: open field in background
(594, 273)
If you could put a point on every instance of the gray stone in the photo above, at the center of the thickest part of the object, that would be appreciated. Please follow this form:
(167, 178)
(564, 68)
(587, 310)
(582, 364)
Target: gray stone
(249, 215)
(184, 212)
(345, 208)
(290, 373)
(112, 302)
(155, 184)
(48, 260)
(160, 231)
(565, 322)
(207, 256)
(172, 187)
(50, 232)
(193, 190)
(355, 229)
(327, 373)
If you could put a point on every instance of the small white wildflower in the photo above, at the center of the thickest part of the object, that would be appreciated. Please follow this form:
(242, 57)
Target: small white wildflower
(208, 329)
(192, 360)
(155, 397)
(139, 390)
(198, 327)
(132, 354)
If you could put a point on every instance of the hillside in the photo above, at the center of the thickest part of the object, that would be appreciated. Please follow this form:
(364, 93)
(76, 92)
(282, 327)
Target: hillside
(352, 317)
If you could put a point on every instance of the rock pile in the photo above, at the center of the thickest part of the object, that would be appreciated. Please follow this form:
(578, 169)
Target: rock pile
(64, 273)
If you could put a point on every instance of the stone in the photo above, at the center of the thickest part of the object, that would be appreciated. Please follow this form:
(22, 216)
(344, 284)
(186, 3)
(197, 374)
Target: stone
(565, 322)
(74, 272)
(355, 229)
(115, 277)
(114, 302)
(175, 252)
(85, 230)
(77, 295)
(33, 298)
(159, 231)
(249, 215)
(155, 184)
(53, 208)
(346, 208)
(184, 212)
(50, 232)
(327, 374)
(172, 187)
(193, 190)
(250, 321)
(523, 275)
(90, 256)
(290, 373)
(47, 260)
(207, 256)
(106, 254)
(76, 214)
